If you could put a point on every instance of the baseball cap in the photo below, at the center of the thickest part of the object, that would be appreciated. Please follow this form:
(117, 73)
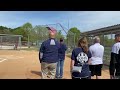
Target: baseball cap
(51, 29)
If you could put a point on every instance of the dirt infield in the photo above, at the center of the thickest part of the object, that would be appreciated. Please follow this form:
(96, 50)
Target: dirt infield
(25, 65)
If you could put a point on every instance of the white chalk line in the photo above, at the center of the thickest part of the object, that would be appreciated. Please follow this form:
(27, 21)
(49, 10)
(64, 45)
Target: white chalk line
(3, 60)
(11, 56)
(14, 57)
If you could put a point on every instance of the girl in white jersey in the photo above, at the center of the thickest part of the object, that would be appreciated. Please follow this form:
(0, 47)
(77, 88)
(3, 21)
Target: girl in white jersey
(114, 67)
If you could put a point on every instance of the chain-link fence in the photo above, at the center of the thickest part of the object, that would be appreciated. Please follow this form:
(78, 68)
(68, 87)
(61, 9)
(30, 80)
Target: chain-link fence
(41, 34)
(8, 41)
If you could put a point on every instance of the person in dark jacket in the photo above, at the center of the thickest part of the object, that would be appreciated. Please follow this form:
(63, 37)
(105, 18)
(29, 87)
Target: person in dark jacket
(80, 60)
(114, 67)
(48, 55)
(61, 55)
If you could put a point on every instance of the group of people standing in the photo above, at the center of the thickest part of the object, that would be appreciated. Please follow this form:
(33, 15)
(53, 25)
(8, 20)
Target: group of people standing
(85, 61)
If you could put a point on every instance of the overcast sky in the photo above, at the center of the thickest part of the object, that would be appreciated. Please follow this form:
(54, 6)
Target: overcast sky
(83, 20)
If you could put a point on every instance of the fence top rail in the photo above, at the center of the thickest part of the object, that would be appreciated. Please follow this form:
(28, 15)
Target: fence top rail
(10, 35)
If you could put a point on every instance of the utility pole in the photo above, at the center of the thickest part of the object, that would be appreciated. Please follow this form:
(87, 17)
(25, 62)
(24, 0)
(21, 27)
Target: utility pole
(1, 42)
(74, 39)
(28, 41)
(67, 33)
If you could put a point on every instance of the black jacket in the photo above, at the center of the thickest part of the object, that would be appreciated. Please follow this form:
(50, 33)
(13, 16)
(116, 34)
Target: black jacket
(114, 67)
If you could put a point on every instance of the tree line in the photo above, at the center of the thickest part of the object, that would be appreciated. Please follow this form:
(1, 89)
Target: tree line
(40, 33)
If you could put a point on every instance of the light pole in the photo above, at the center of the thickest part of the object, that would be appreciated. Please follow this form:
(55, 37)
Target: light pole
(74, 39)
(28, 41)
(1, 42)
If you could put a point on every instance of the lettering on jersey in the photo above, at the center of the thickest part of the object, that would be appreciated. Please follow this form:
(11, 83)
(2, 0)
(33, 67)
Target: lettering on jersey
(82, 58)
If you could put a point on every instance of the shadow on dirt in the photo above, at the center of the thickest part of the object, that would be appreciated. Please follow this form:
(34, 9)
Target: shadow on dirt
(36, 72)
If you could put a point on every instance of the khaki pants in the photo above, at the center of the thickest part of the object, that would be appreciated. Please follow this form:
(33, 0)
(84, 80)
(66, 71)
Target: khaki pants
(48, 70)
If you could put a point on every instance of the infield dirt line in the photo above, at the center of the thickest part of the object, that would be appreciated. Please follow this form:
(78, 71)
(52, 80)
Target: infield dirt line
(3, 60)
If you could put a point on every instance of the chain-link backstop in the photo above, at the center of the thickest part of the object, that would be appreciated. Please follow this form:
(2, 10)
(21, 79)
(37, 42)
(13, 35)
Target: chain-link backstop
(42, 34)
(8, 41)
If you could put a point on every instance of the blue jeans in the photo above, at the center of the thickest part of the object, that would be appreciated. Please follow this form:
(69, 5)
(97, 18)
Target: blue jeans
(59, 69)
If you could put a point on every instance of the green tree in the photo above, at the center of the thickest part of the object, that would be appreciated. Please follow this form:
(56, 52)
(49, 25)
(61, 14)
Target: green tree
(41, 33)
(106, 41)
(27, 27)
(59, 35)
(73, 35)
(4, 30)
(20, 31)
(24, 30)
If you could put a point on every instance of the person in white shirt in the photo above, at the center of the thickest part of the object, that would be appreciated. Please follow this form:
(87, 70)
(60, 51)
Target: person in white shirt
(114, 68)
(97, 51)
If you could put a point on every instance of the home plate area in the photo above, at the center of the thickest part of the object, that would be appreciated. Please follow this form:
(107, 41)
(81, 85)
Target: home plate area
(9, 57)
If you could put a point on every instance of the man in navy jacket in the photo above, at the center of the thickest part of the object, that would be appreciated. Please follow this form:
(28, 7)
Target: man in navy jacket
(48, 55)
(61, 55)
